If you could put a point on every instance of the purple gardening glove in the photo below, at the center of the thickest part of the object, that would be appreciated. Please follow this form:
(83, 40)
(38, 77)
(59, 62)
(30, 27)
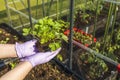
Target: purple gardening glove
(41, 57)
(26, 49)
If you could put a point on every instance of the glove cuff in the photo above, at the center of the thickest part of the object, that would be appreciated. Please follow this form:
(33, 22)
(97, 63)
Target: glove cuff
(18, 50)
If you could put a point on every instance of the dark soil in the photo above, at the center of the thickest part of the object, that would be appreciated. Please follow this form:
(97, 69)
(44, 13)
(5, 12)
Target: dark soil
(48, 71)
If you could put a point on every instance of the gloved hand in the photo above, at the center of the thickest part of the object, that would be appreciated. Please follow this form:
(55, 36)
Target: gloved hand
(41, 57)
(26, 49)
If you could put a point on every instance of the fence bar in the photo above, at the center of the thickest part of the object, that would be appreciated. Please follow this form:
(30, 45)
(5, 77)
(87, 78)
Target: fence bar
(113, 1)
(8, 12)
(19, 12)
(71, 32)
(29, 13)
(43, 8)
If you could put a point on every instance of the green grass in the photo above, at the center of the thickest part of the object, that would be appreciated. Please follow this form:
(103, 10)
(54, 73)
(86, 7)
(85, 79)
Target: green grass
(2, 5)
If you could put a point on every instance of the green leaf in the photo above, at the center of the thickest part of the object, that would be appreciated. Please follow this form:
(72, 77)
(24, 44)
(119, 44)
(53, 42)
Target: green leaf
(90, 59)
(26, 31)
(36, 26)
(12, 64)
(52, 46)
(34, 33)
(59, 57)
(7, 39)
(42, 41)
(57, 45)
(64, 37)
(40, 22)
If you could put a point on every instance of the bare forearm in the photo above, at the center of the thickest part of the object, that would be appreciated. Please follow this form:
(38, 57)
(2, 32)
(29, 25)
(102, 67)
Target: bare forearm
(18, 73)
(7, 50)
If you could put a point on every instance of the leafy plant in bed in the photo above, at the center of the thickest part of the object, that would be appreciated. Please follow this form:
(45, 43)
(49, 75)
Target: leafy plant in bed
(96, 68)
(88, 11)
(49, 32)
(80, 36)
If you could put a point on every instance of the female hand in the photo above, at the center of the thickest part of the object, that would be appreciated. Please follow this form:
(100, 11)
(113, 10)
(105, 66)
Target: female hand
(41, 57)
(26, 49)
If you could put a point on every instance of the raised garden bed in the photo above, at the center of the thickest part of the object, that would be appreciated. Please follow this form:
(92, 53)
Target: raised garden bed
(48, 71)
